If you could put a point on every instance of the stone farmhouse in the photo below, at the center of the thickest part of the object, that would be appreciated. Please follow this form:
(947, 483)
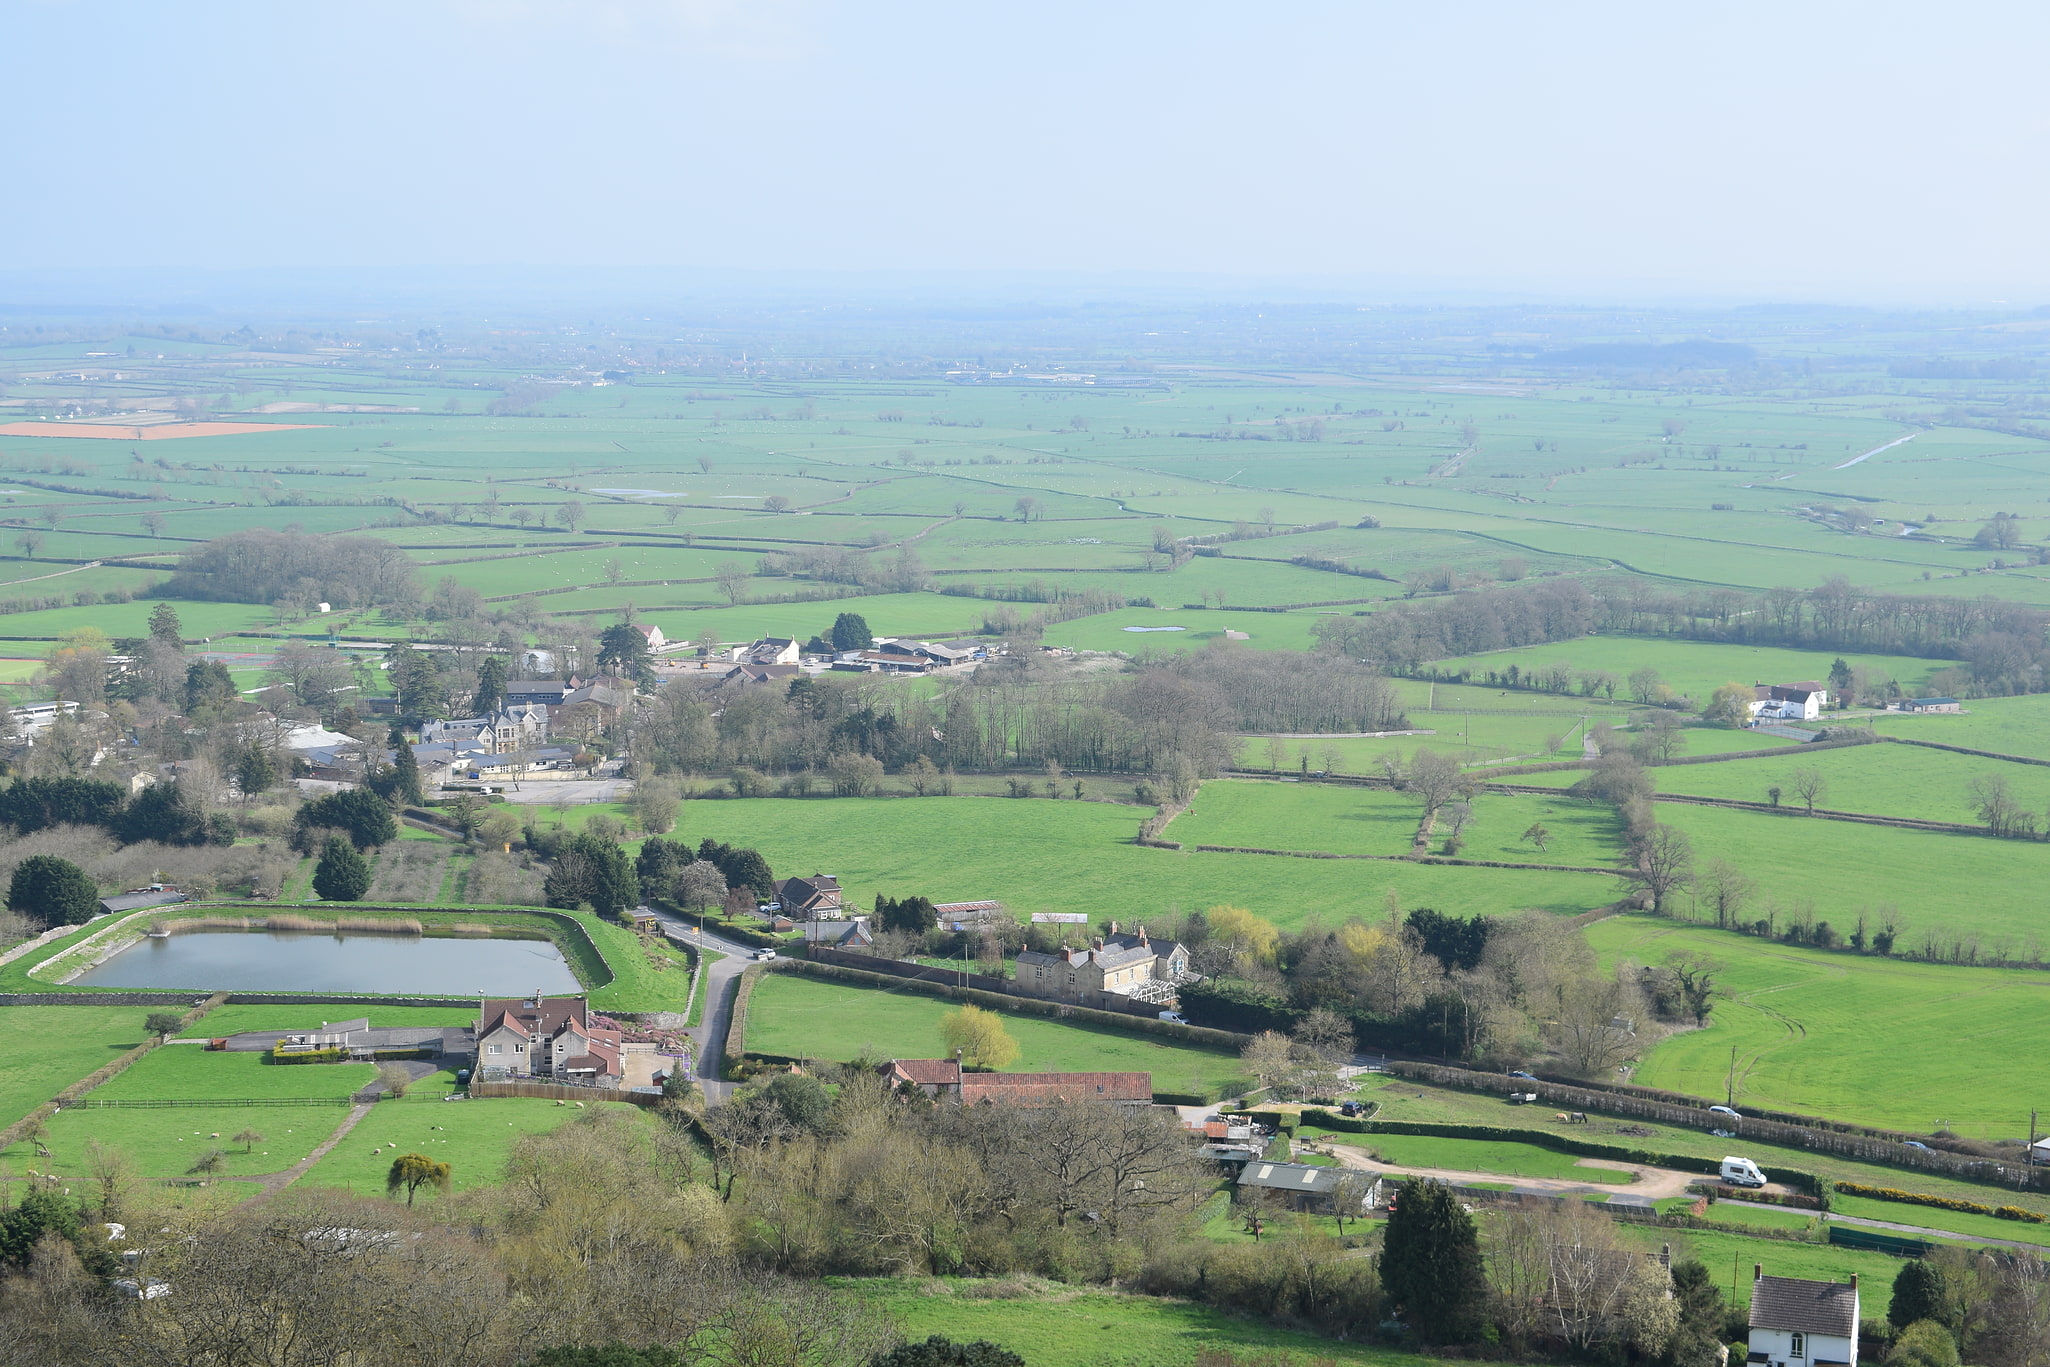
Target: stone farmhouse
(944, 1079)
(1116, 964)
(548, 1037)
(516, 726)
(1800, 1323)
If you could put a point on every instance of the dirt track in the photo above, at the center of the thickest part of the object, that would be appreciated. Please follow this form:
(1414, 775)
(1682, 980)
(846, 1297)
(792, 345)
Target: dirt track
(1653, 1183)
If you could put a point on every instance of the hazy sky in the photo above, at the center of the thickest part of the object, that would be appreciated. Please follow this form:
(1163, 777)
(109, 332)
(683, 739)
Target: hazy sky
(1871, 149)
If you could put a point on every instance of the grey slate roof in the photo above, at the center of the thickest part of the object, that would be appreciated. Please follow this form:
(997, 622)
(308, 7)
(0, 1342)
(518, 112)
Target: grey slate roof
(1300, 1177)
(1795, 1303)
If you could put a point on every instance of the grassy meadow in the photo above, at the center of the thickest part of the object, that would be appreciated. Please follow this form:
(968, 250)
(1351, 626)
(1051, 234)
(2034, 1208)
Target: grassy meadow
(47, 1048)
(474, 1137)
(804, 1017)
(1884, 1042)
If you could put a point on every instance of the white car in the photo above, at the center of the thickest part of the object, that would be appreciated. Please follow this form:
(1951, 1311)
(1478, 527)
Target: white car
(761, 954)
(1724, 1110)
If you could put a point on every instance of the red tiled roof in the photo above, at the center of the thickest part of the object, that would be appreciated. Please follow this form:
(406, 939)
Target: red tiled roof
(926, 1072)
(1043, 1087)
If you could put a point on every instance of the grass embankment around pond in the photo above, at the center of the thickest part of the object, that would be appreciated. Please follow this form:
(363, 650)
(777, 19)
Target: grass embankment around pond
(622, 970)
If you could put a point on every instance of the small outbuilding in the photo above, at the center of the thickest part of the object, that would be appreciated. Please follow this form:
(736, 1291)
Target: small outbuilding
(1932, 705)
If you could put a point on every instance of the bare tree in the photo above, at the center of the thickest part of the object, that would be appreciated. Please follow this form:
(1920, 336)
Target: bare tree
(1665, 863)
(732, 577)
(1810, 785)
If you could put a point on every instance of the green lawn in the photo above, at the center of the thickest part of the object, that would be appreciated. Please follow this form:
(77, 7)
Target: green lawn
(809, 1018)
(1956, 1044)
(1759, 1216)
(191, 1072)
(2006, 726)
(44, 1049)
(1070, 1328)
(473, 1136)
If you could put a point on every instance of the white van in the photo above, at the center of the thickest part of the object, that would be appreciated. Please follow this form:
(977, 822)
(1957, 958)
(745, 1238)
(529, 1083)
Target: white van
(1742, 1172)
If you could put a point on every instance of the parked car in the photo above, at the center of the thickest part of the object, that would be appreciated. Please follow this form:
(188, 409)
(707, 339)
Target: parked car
(1742, 1172)
(761, 954)
(1916, 1144)
(1525, 1076)
(1724, 1110)
(1174, 1016)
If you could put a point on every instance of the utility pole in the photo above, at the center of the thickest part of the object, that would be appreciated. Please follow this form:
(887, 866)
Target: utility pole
(1730, 1081)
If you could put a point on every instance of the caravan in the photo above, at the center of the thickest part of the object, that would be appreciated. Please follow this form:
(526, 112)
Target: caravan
(1742, 1172)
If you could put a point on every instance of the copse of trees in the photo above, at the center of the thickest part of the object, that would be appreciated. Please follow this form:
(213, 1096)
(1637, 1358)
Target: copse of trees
(266, 566)
(358, 813)
(160, 812)
(661, 862)
(589, 870)
(54, 891)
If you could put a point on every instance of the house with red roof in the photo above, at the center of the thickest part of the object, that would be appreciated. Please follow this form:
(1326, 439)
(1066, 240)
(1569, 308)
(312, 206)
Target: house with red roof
(946, 1079)
(548, 1037)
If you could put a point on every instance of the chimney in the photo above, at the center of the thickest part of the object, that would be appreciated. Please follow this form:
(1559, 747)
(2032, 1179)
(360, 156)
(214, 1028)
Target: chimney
(1854, 1282)
(1757, 1271)
(1096, 943)
(1113, 927)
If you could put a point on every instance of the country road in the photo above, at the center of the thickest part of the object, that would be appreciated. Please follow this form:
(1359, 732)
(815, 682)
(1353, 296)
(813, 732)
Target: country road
(725, 960)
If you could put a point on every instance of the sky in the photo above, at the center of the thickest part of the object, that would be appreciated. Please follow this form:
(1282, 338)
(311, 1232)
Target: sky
(1872, 151)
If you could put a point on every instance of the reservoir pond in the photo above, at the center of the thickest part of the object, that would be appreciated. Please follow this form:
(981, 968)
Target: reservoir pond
(313, 961)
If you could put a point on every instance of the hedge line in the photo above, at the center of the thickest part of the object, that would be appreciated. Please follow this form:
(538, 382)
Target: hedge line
(1579, 1148)
(1953, 1203)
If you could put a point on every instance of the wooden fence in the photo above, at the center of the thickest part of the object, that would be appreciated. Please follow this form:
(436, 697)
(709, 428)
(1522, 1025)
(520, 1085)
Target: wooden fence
(557, 1091)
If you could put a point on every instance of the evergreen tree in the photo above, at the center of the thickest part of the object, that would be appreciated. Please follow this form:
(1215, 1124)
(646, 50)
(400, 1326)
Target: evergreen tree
(255, 772)
(1431, 1264)
(54, 891)
(623, 649)
(360, 812)
(1699, 1340)
(1922, 1291)
(161, 813)
(490, 695)
(1840, 682)
(208, 684)
(164, 626)
(850, 632)
(660, 861)
(592, 869)
(343, 875)
(747, 869)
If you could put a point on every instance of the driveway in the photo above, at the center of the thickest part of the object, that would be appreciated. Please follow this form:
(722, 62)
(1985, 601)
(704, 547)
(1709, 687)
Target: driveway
(1651, 1183)
(576, 792)
(725, 961)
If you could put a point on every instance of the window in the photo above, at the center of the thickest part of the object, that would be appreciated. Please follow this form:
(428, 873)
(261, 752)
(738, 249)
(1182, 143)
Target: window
(1797, 1346)
(494, 1049)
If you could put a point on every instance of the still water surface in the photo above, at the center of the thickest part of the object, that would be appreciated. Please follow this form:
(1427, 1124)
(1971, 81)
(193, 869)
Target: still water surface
(308, 961)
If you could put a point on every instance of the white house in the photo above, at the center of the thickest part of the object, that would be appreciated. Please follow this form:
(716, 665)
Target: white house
(1799, 1323)
(1788, 702)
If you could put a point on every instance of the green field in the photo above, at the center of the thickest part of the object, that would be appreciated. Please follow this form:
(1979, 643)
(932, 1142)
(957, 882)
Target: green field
(1341, 820)
(803, 1017)
(166, 1143)
(191, 1072)
(964, 849)
(1730, 1256)
(1930, 884)
(1505, 1157)
(474, 1137)
(1962, 1223)
(47, 1048)
(234, 1020)
(1885, 780)
(1059, 1327)
(1693, 668)
(1844, 1035)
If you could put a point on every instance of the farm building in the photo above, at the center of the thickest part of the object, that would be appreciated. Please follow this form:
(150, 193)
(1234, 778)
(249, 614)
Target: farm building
(1932, 705)
(1800, 1323)
(1304, 1187)
(1132, 965)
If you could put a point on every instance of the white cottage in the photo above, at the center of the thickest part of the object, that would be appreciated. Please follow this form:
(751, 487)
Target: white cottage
(1799, 1323)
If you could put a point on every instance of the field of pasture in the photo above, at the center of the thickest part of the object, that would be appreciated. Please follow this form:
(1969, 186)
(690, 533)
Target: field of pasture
(1878, 1041)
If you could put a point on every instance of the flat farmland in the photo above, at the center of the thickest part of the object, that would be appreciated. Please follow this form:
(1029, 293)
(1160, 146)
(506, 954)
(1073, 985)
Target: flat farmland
(1695, 668)
(805, 1017)
(475, 1137)
(1927, 883)
(1885, 780)
(2006, 726)
(1037, 855)
(47, 1048)
(1342, 820)
(1850, 1036)
(166, 1142)
(191, 1072)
